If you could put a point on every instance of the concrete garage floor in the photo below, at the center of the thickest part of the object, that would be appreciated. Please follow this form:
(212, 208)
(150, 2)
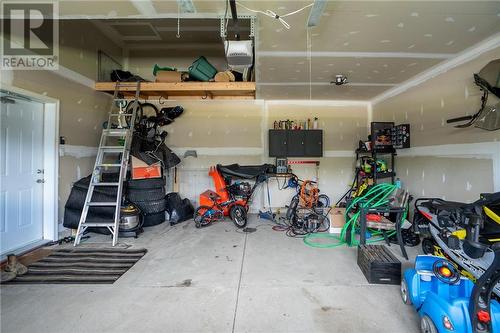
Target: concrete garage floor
(217, 280)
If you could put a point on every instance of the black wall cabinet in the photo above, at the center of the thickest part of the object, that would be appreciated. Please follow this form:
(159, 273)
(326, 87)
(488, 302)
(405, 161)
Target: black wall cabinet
(295, 143)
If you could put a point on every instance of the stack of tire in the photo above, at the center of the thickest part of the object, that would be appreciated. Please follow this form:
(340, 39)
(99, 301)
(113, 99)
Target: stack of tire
(149, 196)
(74, 205)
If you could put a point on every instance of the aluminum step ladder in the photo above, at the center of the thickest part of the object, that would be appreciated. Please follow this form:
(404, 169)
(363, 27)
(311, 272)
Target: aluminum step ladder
(120, 125)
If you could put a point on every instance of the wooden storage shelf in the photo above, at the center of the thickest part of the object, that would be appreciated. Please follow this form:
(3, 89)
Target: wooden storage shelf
(185, 90)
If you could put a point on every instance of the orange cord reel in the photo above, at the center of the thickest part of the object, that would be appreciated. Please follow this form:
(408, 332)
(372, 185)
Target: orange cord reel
(309, 193)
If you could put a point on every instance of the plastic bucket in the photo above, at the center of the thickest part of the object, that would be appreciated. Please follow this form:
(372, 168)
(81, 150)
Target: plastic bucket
(202, 70)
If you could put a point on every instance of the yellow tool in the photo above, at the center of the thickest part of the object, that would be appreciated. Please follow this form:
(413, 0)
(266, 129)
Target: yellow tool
(491, 214)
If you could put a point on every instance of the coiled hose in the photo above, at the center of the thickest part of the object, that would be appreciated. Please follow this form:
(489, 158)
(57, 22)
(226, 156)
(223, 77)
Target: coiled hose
(375, 197)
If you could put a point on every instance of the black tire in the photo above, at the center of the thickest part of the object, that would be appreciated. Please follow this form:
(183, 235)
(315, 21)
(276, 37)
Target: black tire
(428, 246)
(199, 220)
(138, 114)
(72, 218)
(146, 195)
(325, 223)
(149, 110)
(146, 184)
(77, 196)
(238, 215)
(427, 326)
(405, 295)
(153, 219)
(83, 184)
(292, 208)
(152, 206)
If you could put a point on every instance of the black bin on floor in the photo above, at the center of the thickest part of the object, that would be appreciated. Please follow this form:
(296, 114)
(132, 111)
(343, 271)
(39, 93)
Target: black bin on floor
(379, 265)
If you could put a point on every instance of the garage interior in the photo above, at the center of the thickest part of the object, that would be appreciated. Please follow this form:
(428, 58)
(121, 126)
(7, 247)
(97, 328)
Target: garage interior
(252, 166)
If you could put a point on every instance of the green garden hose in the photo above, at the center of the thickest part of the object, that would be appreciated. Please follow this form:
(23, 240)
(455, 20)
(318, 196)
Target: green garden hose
(375, 197)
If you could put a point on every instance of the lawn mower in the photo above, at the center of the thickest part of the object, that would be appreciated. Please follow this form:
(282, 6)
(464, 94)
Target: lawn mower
(449, 302)
(460, 232)
(231, 197)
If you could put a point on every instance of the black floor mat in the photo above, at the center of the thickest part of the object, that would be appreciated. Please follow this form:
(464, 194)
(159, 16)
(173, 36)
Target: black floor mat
(81, 266)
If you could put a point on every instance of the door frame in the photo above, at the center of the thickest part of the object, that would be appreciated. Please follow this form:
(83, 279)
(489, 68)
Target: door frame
(50, 163)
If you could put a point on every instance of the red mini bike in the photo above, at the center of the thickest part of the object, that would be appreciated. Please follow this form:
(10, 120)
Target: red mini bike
(231, 198)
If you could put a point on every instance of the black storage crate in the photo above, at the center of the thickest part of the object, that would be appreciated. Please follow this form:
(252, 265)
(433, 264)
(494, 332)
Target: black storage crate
(379, 265)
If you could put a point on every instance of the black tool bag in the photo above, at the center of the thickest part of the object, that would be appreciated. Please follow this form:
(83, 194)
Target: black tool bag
(124, 76)
(178, 209)
(150, 151)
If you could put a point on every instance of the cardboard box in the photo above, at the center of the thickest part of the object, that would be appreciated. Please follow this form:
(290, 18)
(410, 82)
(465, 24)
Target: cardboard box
(168, 76)
(337, 220)
(141, 170)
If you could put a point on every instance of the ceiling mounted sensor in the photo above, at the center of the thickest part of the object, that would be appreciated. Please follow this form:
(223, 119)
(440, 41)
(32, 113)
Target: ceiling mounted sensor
(316, 11)
(186, 6)
(340, 79)
(239, 53)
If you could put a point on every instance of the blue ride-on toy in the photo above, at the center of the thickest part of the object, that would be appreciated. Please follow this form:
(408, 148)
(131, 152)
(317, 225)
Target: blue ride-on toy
(448, 302)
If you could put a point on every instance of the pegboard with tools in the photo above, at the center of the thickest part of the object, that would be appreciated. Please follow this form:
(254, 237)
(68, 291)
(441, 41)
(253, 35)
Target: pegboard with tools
(400, 135)
(385, 136)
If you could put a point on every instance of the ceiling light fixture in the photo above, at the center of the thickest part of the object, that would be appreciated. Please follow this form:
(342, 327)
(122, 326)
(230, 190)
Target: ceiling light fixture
(316, 11)
(340, 79)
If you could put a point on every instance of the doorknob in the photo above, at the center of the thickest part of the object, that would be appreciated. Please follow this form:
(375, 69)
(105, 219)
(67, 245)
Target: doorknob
(39, 170)
(40, 181)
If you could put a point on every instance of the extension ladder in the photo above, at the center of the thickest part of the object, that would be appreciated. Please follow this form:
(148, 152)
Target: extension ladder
(120, 126)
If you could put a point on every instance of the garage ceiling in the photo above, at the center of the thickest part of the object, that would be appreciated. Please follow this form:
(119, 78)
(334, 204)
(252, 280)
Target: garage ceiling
(377, 44)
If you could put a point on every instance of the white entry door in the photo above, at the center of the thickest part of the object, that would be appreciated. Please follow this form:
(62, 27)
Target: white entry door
(21, 173)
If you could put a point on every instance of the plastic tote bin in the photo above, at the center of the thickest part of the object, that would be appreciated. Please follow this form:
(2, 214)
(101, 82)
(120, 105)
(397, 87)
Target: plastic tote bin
(202, 70)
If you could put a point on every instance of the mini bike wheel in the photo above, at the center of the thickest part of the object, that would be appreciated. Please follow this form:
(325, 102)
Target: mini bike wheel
(427, 326)
(292, 208)
(428, 246)
(239, 216)
(139, 113)
(405, 295)
(203, 217)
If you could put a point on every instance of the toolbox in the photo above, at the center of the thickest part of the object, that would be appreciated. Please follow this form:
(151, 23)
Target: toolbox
(379, 265)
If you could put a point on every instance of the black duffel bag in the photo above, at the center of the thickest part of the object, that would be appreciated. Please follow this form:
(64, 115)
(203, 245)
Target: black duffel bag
(178, 209)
